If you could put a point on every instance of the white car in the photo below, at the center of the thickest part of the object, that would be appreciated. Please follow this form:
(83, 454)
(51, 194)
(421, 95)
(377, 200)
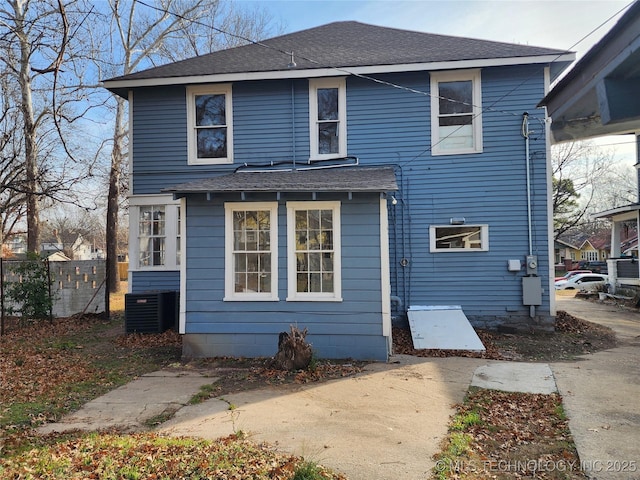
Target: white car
(583, 281)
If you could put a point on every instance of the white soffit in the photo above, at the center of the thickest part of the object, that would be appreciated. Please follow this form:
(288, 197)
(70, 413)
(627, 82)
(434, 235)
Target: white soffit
(443, 327)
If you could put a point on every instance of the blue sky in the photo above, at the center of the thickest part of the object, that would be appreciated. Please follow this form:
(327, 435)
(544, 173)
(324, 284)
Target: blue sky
(561, 24)
(547, 23)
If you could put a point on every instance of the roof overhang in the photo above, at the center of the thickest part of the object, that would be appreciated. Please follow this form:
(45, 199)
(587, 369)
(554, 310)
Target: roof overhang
(557, 63)
(601, 94)
(318, 180)
(627, 212)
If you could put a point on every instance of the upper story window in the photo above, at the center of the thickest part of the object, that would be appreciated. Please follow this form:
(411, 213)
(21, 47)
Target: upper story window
(328, 118)
(210, 124)
(454, 238)
(251, 260)
(456, 112)
(314, 254)
(154, 220)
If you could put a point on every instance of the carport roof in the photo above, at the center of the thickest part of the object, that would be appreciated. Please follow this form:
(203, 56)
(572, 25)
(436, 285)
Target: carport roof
(342, 179)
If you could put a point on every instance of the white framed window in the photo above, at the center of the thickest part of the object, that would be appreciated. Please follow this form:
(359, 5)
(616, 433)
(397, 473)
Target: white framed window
(328, 118)
(210, 124)
(458, 238)
(251, 251)
(314, 251)
(456, 112)
(154, 225)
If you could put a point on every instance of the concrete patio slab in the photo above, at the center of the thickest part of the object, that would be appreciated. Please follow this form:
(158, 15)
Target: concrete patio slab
(386, 423)
(515, 377)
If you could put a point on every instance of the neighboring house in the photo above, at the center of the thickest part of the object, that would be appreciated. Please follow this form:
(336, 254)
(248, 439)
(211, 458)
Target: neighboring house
(601, 96)
(333, 177)
(16, 245)
(73, 245)
(565, 252)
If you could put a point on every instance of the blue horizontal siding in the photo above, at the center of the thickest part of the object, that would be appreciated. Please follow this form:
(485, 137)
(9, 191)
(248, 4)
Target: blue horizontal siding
(146, 281)
(358, 314)
(386, 126)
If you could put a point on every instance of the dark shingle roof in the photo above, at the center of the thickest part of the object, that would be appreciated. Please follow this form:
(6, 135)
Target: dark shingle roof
(344, 179)
(341, 44)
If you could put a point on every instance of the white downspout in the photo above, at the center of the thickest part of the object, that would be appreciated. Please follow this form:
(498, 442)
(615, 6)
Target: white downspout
(525, 134)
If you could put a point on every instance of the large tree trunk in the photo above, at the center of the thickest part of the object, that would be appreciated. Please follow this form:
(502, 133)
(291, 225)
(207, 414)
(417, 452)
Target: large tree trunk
(117, 156)
(30, 147)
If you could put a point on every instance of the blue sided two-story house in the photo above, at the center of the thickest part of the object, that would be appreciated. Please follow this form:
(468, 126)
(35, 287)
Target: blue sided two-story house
(334, 177)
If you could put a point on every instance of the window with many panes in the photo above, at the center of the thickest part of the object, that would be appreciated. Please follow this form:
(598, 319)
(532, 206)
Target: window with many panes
(314, 262)
(458, 238)
(155, 222)
(327, 118)
(251, 251)
(456, 112)
(210, 124)
(151, 236)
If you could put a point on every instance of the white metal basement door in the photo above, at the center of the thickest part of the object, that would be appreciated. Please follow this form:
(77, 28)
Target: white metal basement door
(443, 327)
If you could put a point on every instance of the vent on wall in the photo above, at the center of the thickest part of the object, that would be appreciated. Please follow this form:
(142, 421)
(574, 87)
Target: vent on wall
(150, 312)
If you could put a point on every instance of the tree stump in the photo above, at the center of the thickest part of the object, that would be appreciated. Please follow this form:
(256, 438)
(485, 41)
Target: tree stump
(294, 352)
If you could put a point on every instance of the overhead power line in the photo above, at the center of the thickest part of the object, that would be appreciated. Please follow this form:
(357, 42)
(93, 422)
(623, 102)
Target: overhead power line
(489, 108)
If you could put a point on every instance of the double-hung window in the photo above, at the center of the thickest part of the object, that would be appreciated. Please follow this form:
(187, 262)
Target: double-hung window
(154, 220)
(328, 118)
(314, 260)
(251, 243)
(210, 124)
(456, 112)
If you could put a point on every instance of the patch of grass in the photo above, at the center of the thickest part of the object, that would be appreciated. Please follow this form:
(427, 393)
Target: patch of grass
(462, 422)
(50, 369)
(206, 392)
(505, 435)
(309, 471)
(152, 456)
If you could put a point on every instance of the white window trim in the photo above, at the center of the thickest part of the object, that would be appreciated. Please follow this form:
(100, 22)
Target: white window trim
(293, 295)
(192, 145)
(314, 85)
(476, 112)
(171, 232)
(230, 295)
(484, 239)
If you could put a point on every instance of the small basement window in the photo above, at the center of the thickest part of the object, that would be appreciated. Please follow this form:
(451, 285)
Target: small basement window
(458, 238)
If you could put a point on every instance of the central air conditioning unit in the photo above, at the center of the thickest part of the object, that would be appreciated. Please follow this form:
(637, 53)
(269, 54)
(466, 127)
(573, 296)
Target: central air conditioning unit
(150, 312)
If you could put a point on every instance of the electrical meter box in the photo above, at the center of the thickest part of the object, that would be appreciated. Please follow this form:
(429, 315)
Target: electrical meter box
(531, 290)
(532, 264)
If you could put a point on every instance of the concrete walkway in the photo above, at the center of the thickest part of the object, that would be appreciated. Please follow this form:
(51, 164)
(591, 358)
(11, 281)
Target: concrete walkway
(155, 395)
(388, 422)
(601, 394)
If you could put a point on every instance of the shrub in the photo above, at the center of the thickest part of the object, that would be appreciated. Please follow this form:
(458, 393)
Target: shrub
(30, 297)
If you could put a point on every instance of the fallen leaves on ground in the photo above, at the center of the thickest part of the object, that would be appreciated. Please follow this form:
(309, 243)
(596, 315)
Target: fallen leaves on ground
(241, 374)
(150, 456)
(170, 338)
(49, 368)
(37, 360)
(509, 435)
(403, 344)
(572, 337)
